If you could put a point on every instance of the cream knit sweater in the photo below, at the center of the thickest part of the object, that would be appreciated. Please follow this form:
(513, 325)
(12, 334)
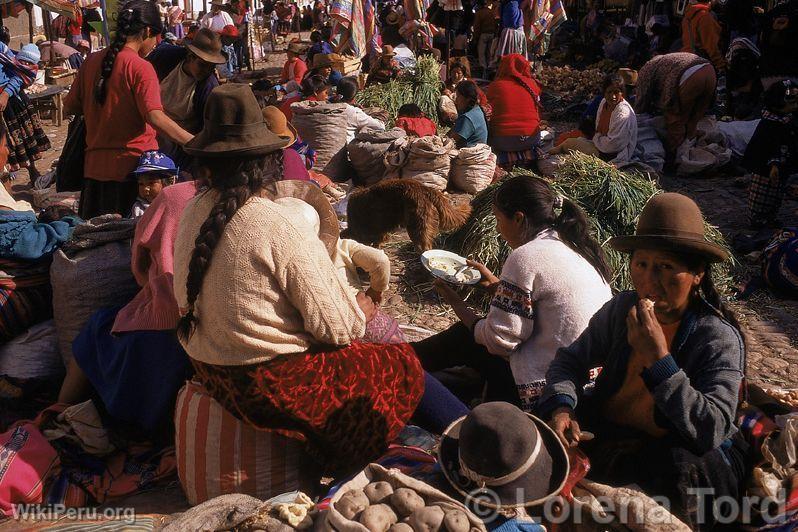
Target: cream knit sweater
(351, 255)
(547, 294)
(270, 289)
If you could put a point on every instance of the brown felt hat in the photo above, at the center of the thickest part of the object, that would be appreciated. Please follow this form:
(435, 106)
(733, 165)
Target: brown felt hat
(671, 222)
(387, 51)
(392, 18)
(234, 125)
(501, 457)
(325, 60)
(296, 48)
(207, 45)
(277, 122)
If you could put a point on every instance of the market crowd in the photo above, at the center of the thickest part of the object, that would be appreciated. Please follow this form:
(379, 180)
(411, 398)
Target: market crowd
(208, 266)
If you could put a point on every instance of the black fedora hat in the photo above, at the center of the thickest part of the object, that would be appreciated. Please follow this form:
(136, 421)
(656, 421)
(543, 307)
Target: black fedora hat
(511, 457)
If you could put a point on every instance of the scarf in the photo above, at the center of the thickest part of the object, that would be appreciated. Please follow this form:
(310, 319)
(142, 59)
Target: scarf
(10, 64)
(515, 67)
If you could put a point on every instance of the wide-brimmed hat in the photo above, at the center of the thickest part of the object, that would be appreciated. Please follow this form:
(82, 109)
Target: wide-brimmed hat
(325, 60)
(671, 222)
(503, 458)
(311, 194)
(296, 48)
(234, 125)
(278, 124)
(628, 76)
(218, 2)
(207, 45)
(392, 18)
(387, 51)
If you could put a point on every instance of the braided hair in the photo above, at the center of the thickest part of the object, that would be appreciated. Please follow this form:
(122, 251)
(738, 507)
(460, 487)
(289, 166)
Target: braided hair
(236, 180)
(133, 19)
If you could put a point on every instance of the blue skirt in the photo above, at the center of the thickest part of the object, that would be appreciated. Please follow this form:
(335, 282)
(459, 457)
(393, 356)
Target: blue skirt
(136, 374)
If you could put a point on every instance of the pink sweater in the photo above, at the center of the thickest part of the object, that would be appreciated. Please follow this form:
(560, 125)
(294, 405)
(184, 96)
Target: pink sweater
(154, 308)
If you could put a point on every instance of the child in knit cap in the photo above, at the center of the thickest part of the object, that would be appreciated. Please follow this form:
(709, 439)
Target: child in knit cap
(155, 172)
(349, 254)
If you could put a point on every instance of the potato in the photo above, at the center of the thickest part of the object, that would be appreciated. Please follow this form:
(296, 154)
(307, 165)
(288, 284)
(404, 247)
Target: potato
(401, 527)
(378, 518)
(352, 503)
(377, 492)
(427, 519)
(406, 501)
(456, 521)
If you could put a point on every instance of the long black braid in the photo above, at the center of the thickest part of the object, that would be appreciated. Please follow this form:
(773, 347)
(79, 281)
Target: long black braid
(134, 18)
(237, 180)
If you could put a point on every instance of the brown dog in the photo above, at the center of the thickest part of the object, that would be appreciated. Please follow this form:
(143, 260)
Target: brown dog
(375, 211)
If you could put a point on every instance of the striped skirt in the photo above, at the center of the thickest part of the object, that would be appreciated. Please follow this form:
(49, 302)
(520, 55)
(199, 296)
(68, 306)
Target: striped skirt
(511, 41)
(26, 138)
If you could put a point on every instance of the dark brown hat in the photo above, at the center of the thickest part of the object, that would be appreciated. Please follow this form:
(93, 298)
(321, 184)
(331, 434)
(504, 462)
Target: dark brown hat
(207, 45)
(234, 124)
(503, 458)
(671, 222)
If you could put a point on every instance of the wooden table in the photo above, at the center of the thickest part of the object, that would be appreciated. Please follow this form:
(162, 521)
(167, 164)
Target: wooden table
(54, 94)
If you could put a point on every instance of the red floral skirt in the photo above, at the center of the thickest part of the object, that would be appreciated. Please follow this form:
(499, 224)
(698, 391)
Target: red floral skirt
(346, 403)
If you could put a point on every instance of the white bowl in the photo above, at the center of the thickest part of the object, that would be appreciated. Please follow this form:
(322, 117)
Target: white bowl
(442, 264)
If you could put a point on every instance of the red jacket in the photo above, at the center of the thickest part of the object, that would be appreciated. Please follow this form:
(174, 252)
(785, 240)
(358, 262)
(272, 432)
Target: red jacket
(300, 68)
(514, 97)
(701, 34)
(420, 127)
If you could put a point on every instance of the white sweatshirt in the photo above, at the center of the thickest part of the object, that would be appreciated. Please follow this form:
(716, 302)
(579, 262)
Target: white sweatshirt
(547, 295)
(622, 135)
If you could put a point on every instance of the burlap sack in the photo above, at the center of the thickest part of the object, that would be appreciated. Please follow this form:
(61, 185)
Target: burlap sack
(323, 126)
(473, 168)
(397, 479)
(426, 160)
(367, 150)
(90, 272)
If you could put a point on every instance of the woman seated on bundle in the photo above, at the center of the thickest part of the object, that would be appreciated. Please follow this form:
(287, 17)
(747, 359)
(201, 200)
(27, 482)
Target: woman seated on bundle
(554, 280)
(663, 407)
(266, 317)
(616, 123)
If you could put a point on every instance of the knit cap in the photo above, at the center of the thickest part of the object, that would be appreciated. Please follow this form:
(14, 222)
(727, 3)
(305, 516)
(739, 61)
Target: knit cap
(29, 53)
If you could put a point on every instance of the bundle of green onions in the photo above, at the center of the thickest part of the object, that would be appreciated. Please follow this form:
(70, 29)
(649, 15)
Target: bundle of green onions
(420, 85)
(612, 200)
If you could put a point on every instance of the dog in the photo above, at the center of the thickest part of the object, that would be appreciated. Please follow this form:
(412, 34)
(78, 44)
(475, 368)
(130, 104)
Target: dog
(375, 211)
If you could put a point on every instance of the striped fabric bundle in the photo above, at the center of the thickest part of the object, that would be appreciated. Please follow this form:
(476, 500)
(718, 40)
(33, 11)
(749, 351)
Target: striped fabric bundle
(23, 307)
(218, 454)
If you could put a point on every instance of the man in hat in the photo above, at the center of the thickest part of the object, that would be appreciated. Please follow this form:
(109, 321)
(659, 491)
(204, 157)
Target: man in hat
(386, 68)
(294, 68)
(187, 77)
(218, 18)
(323, 66)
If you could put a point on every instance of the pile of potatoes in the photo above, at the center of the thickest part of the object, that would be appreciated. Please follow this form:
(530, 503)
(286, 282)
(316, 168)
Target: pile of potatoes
(380, 508)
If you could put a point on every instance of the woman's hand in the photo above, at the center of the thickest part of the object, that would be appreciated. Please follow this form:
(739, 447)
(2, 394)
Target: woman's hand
(366, 305)
(489, 281)
(563, 423)
(3, 101)
(644, 332)
(446, 292)
(375, 296)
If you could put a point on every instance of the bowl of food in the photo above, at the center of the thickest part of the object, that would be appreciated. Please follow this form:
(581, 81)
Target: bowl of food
(450, 267)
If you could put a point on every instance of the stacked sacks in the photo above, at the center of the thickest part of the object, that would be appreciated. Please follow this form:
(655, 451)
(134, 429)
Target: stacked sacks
(426, 160)
(367, 151)
(90, 272)
(473, 168)
(323, 126)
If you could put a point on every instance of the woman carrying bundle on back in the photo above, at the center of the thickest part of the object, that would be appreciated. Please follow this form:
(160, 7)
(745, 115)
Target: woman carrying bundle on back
(554, 280)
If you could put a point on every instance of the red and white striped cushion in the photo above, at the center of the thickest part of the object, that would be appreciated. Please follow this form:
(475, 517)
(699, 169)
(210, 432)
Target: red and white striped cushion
(218, 454)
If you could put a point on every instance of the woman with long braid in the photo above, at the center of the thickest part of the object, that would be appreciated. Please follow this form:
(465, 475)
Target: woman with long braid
(269, 325)
(118, 94)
